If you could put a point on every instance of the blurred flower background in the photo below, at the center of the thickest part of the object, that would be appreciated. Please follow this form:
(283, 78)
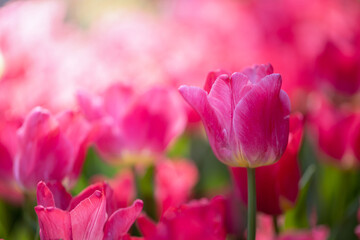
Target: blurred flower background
(89, 93)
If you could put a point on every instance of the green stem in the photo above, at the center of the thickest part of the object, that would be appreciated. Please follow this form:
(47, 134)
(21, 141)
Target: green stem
(251, 225)
(276, 225)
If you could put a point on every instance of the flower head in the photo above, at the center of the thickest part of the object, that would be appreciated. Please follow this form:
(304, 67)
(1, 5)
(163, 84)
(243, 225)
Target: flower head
(246, 115)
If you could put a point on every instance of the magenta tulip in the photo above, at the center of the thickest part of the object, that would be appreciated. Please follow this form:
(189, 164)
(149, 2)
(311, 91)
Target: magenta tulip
(132, 123)
(174, 181)
(336, 132)
(51, 148)
(87, 216)
(197, 220)
(246, 116)
(277, 185)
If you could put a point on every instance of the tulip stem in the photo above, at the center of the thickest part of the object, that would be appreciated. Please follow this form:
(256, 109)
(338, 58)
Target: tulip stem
(251, 224)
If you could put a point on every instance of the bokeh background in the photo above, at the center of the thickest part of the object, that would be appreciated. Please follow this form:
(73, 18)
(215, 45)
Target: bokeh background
(51, 50)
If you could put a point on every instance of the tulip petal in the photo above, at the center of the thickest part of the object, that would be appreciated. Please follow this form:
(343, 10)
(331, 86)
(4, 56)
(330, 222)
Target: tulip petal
(146, 226)
(220, 99)
(90, 106)
(121, 220)
(79, 133)
(217, 134)
(88, 217)
(258, 72)
(261, 122)
(44, 196)
(53, 194)
(44, 153)
(240, 85)
(54, 223)
(211, 78)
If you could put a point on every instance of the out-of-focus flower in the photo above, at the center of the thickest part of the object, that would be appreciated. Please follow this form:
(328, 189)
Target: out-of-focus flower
(265, 231)
(246, 116)
(86, 216)
(132, 124)
(336, 131)
(8, 145)
(277, 185)
(51, 148)
(197, 220)
(339, 69)
(174, 181)
(123, 185)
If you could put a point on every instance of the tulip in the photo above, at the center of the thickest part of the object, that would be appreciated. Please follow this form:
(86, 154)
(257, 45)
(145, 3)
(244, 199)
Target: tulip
(9, 190)
(246, 116)
(51, 148)
(134, 124)
(335, 130)
(277, 185)
(123, 185)
(174, 181)
(86, 216)
(197, 220)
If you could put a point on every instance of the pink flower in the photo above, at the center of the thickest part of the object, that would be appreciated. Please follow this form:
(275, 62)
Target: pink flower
(246, 116)
(277, 185)
(86, 216)
(132, 123)
(174, 181)
(197, 220)
(51, 148)
(123, 185)
(336, 131)
(9, 190)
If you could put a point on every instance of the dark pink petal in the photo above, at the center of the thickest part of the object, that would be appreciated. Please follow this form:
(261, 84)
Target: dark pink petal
(261, 122)
(54, 223)
(44, 195)
(151, 124)
(89, 216)
(211, 77)
(79, 133)
(215, 129)
(61, 197)
(121, 220)
(87, 192)
(174, 181)
(44, 153)
(146, 226)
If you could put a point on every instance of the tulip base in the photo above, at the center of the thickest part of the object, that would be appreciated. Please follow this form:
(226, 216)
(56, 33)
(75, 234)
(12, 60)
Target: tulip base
(251, 217)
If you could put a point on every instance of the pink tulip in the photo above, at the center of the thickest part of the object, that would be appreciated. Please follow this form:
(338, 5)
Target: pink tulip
(357, 229)
(51, 148)
(9, 190)
(336, 132)
(246, 116)
(174, 181)
(123, 185)
(197, 220)
(86, 216)
(132, 123)
(277, 185)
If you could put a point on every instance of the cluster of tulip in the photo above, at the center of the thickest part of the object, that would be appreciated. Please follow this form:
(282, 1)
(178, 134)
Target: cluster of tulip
(101, 112)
